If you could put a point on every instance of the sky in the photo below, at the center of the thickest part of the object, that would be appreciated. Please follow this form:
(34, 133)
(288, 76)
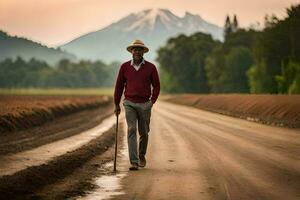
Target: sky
(55, 22)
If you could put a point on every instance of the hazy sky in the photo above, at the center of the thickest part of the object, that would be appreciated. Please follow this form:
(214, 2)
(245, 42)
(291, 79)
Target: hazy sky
(54, 22)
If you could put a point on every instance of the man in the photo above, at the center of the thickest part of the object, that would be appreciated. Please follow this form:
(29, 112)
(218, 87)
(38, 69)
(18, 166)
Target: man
(137, 76)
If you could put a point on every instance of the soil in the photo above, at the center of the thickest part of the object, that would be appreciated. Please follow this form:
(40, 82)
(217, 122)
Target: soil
(72, 172)
(23, 112)
(192, 154)
(278, 110)
(195, 154)
(61, 127)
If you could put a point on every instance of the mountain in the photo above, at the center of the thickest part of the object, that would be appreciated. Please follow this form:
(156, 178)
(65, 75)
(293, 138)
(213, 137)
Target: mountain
(153, 26)
(11, 47)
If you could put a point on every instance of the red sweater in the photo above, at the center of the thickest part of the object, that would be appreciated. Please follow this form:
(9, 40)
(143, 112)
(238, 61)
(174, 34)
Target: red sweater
(137, 84)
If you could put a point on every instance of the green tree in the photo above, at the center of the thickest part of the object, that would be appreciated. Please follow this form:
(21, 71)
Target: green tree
(109, 75)
(235, 24)
(6, 73)
(227, 27)
(182, 62)
(237, 63)
(276, 46)
(260, 80)
(287, 81)
(227, 65)
(295, 86)
(215, 66)
(36, 73)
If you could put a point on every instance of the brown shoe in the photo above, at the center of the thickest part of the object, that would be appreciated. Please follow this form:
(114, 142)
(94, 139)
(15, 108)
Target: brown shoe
(142, 161)
(134, 166)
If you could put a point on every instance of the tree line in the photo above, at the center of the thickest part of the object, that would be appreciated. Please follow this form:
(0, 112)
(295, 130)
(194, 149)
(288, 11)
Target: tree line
(18, 73)
(248, 61)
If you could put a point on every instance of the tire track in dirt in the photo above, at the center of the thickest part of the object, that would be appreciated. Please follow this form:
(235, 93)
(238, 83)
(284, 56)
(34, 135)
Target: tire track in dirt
(51, 162)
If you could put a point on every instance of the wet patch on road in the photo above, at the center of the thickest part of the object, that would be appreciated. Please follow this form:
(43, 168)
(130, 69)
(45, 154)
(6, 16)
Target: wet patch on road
(109, 184)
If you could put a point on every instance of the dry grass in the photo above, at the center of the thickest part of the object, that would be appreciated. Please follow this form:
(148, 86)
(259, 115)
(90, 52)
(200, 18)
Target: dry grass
(283, 110)
(21, 112)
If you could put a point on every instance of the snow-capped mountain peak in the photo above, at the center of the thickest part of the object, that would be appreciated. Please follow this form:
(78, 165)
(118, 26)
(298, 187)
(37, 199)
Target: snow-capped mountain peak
(148, 19)
(153, 26)
(154, 20)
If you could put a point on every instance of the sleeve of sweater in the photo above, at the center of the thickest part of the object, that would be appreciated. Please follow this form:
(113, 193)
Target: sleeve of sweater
(119, 87)
(155, 84)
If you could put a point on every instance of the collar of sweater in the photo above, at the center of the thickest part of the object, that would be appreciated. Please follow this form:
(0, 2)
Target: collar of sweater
(141, 63)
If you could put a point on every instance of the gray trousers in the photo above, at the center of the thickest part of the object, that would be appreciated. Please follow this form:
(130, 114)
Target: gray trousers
(137, 115)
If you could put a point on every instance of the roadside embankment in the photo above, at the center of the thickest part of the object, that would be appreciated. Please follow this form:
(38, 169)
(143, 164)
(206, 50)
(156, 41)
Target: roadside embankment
(26, 183)
(280, 110)
(23, 112)
(58, 157)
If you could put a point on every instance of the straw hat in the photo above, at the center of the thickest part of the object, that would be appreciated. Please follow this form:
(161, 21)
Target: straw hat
(137, 43)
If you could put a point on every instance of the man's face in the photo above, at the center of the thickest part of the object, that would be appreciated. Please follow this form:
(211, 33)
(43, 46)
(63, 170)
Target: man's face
(137, 53)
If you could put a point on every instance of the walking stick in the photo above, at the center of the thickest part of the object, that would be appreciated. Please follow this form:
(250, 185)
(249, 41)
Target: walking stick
(116, 144)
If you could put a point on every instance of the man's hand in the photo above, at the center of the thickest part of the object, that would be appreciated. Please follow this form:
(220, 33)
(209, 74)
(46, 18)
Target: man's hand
(117, 110)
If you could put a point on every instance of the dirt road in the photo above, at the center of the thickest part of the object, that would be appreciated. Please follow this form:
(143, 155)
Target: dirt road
(194, 154)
